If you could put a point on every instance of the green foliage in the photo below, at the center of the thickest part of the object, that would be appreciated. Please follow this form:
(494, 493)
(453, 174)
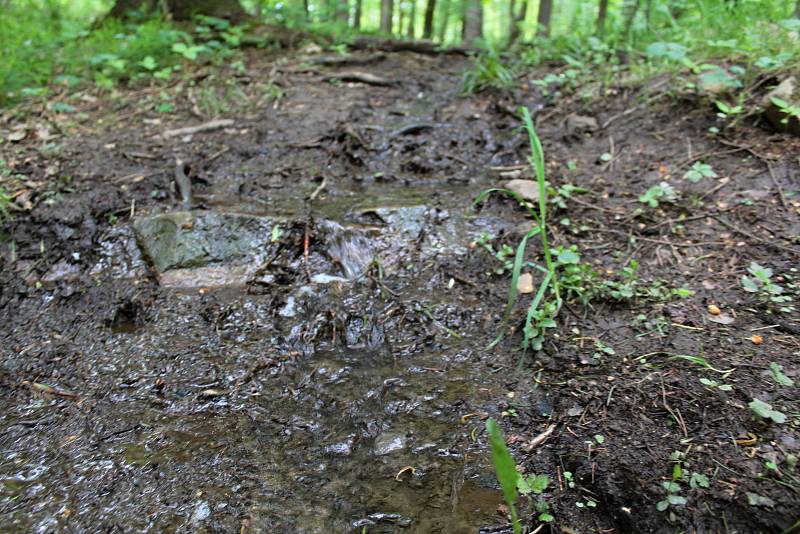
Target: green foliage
(662, 192)
(699, 171)
(787, 109)
(488, 72)
(506, 469)
(5, 204)
(765, 411)
(766, 291)
(512, 482)
(779, 376)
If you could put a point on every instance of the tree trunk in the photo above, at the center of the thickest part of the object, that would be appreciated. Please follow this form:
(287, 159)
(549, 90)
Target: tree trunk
(430, 9)
(473, 21)
(543, 18)
(343, 11)
(601, 19)
(357, 16)
(797, 9)
(633, 8)
(184, 9)
(445, 16)
(387, 10)
(517, 20)
(412, 20)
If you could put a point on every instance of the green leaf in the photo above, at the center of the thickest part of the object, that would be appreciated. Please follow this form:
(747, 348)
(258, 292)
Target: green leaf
(599, 438)
(749, 285)
(698, 480)
(778, 376)
(148, 63)
(661, 50)
(676, 500)
(533, 484)
(662, 505)
(765, 411)
(505, 467)
(754, 499)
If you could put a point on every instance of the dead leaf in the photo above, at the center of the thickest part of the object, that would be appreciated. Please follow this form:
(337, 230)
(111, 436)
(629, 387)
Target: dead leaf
(16, 136)
(722, 318)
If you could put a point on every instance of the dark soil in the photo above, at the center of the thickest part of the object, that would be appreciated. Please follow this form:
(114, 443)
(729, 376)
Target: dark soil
(127, 405)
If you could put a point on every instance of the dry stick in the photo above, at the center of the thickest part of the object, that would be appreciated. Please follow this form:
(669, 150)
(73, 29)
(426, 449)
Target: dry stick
(777, 185)
(361, 77)
(205, 127)
(318, 190)
(538, 440)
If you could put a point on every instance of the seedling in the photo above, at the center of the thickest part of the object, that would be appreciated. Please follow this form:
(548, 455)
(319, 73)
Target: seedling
(5, 203)
(600, 350)
(787, 109)
(672, 499)
(767, 292)
(726, 111)
(699, 171)
(713, 384)
(662, 192)
(765, 411)
(511, 481)
(588, 504)
(488, 72)
(778, 376)
(698, 480)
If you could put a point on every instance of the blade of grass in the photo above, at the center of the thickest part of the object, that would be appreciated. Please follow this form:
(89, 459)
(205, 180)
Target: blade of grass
(512, 290)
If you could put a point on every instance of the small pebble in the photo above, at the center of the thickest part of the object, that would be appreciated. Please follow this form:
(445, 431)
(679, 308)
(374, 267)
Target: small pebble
(713, 309)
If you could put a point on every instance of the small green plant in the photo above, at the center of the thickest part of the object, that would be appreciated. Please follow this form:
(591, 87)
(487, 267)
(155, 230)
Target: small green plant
(673, 498)
(511, 480)
(764, 410)
(726, 111)
(767, 292)
(547, 301)
(699, 480)
(504, 255)
(778, 375)
(699, 171)
(662, 192)
(488, 72)
(787, 109)
(600, 350)
(713, 384)
(5, 204)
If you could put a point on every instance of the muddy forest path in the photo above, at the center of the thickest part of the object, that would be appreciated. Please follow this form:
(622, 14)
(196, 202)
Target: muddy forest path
(278, 323)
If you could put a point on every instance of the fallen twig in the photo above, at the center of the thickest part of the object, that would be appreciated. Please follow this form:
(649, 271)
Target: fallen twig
(205, 127)
(361, 77)
(538, 440)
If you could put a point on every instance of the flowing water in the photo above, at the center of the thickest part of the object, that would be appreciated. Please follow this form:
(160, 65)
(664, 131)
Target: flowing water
(272, 390)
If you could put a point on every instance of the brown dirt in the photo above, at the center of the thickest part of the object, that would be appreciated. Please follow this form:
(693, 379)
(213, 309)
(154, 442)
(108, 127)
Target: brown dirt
(644, 404)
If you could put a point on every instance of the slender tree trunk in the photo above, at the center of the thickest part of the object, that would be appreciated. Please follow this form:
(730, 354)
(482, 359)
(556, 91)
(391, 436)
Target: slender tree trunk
(412, 20)
(630, 16)
(602, 13)
(517, 20)
(357, 16)
(430, 9)
(387, 11)
(401, 19)
(473, 21)
(305, 10)
(797, 9)
(343, 11)
(543, 18)
(444, 10)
